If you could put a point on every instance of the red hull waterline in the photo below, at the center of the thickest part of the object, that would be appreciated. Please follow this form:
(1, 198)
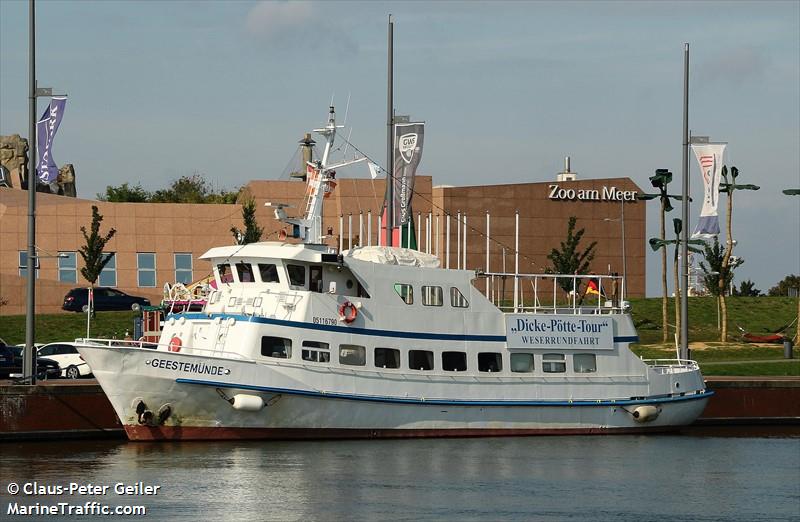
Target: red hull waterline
(165, 433)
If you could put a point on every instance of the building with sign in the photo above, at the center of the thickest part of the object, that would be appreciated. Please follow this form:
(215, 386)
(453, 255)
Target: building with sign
(158, 243)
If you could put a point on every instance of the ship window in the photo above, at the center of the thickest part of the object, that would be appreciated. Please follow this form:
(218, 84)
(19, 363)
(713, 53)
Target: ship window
(315, 276)
(554, 363)
(225, 273)
(406, 292)
(457, 299)
(279, 347)
(352, 355)
(584, 363)
(454, 361)
(245, 271)
(432, 296)
(316, 351)
(387, 358)
(297, 275)
(269, 272)
(521, 362)
(420, 360)
(490, 362)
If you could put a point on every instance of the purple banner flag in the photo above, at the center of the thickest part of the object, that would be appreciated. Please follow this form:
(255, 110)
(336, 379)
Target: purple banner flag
(46, 128)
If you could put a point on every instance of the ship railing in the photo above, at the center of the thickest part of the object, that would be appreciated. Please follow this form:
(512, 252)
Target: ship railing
(124, 343)
(666, 366)
(575, 294)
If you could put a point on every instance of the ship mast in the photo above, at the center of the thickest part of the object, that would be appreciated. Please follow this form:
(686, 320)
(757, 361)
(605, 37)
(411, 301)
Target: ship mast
(320, 181)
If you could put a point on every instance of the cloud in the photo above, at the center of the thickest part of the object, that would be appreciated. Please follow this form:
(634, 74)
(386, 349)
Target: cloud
(299, 26)
(277, 20)
(737, 66)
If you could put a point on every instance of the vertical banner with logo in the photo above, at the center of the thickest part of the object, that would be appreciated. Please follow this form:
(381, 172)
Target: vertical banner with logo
(408, 139)
(709, 156)
(46, 128)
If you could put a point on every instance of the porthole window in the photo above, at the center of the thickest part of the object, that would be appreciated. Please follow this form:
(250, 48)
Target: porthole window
(387, 358)
(420, 360)
(432, 296)
(554, 363)
(406, 292)
(352, 355)
(454, 361)
(278, 347)
(522, 362)
(490, 362)
(584, 363)
(457, 299)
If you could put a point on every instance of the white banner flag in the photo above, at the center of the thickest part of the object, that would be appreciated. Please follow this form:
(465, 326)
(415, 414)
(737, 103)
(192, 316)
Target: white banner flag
(374, 169)
(709, 156)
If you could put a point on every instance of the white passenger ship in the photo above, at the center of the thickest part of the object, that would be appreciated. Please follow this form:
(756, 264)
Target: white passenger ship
(299, 341)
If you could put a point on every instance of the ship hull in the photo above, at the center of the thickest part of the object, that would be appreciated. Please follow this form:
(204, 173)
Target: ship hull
(200, 402)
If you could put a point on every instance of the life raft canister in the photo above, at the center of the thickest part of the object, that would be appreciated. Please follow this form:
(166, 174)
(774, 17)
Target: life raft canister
(348, 312)
(175, 344)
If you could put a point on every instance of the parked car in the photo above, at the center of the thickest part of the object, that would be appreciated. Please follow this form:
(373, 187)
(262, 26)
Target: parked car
(69, 360)
(11, 362)
(77, 300)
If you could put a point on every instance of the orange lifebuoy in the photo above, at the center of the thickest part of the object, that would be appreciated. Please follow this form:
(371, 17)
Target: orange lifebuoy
(175, 344)
(348, 312)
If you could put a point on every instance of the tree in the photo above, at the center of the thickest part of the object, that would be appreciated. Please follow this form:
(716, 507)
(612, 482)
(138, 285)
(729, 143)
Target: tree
(728, 187)
(656, 243)
(717, 278)
(125, 194)
(186, 189)
(570, 259)
(783, 286)
(662, 178)
(92, 252)
(252, 232)
(747, 288)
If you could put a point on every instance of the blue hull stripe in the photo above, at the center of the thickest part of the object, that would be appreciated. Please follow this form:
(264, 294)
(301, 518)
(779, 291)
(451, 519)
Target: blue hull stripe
(371, 331)
(443, 402)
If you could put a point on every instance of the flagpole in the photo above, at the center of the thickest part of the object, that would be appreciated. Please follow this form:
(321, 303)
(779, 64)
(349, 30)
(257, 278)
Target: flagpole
(28, 369)
(684, 280)
(389, 143)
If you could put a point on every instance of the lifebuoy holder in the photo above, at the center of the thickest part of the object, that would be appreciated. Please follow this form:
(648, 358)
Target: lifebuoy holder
(348, 312)
(175, 344)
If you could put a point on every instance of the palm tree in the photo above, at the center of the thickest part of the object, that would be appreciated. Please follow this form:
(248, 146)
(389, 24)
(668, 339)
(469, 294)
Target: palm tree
(660, 181)
(656, 243)
(728, 187)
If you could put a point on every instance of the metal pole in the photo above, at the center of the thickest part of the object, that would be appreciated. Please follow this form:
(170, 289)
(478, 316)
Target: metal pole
(28, 367)
(624, 255)
(341, 233)
(516, 260)
(428, 231)
(360, 228)
(437, 236)
(390, 143)
(447, 242)
(684, 283)
(369, 228)
(458, 240)
(418, 231)
(350, 231)
(487, 252)
(464, 264)
(379, 230)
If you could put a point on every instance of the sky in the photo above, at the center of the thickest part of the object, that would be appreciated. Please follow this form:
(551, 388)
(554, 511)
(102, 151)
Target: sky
(158, 90)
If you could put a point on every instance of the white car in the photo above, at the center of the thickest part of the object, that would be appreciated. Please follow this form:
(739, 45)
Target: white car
(66, 355)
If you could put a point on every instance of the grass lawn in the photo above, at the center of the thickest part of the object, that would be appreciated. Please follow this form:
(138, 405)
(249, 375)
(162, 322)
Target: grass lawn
(67, 326)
